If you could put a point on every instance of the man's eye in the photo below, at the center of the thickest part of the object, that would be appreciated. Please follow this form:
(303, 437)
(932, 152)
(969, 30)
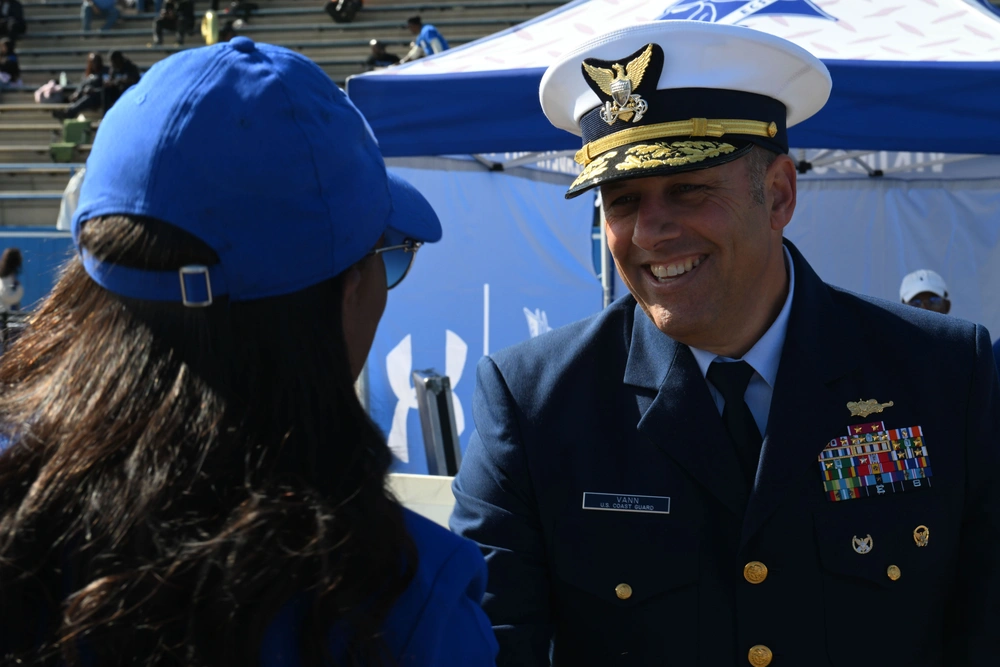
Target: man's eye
(625, 200)
(684, 188)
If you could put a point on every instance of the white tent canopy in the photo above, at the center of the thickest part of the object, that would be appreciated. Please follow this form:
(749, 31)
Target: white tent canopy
(908, 75)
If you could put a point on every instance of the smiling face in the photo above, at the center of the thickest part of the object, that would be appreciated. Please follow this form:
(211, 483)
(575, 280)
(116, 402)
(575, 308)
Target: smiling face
(700, 254)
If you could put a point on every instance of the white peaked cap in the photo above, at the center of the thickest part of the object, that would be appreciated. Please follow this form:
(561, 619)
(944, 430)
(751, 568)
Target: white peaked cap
(697, 54)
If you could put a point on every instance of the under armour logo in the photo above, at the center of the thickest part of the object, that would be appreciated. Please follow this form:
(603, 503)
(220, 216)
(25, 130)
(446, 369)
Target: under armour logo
(538, 321)
(733, 11)
(399, 367)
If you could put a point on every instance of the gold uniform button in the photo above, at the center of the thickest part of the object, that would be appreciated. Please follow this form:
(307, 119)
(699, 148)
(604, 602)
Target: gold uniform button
(623, 591)
(893, 572)
(760, 656)
(755, 572)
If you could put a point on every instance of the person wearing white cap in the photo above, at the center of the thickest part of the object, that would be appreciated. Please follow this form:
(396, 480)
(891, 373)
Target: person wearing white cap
(736, 463)
(925, 289)
(380, 58)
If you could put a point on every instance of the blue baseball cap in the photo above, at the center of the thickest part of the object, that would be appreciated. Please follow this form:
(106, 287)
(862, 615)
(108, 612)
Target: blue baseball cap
(252, 149)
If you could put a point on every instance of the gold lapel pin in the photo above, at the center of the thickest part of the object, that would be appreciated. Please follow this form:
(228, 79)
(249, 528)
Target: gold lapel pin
(864, 408)
(864, 545)
(921, 535)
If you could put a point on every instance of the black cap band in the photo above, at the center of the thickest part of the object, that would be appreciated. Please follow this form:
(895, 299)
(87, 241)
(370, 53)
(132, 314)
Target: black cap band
(683, 104)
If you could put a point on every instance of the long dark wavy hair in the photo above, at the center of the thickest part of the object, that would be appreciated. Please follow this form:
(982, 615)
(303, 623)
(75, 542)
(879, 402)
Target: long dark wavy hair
(175, 475)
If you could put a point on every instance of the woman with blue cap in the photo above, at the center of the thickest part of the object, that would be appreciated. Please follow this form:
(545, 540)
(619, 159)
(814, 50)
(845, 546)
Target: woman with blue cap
(190, 477)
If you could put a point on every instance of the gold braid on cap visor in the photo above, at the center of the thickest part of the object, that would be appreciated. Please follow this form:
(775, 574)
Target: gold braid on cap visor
(696, 127)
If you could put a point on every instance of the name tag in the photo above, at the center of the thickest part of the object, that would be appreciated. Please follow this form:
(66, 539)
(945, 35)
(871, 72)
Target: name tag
(621, 502)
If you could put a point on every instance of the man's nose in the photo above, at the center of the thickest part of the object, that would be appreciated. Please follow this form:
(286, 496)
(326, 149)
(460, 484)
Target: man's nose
(654, 224)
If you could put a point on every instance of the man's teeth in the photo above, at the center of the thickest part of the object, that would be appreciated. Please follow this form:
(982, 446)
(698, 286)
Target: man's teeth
(671, 270)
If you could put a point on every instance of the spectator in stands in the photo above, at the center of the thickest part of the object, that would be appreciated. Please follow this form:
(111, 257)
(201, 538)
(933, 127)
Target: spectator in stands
(106, 8)
(50, 93)
(342, 11)
(241, 10)
(925, 289)
(123, 75)
(10, 69)
(213, 32)
(90, 93)
(210, 27)
(176, 15)
(11, 19)
(227, 31)
(180, 484)
(11, 291)
(428, 42)
(70, 199)
(380, 58)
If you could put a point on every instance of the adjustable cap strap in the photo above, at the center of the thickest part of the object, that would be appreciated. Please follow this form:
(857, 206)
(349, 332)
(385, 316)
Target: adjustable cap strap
(194, 285)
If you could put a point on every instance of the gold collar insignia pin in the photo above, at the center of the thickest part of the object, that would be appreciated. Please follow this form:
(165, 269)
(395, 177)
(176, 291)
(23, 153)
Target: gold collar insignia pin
(864, 408)
(618, 81)
(921, 535)
(864, 545)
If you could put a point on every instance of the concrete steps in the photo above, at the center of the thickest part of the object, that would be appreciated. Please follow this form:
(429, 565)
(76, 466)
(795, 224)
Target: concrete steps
(31, 185)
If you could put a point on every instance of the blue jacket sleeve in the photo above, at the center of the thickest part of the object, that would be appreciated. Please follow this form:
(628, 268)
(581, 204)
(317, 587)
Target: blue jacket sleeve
(436, 622)
(451, 629)
(495, 507)
(974, 612)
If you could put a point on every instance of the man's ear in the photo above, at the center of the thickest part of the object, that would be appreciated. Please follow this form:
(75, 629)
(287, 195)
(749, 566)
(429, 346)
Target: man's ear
(782, 188)
(947, 306)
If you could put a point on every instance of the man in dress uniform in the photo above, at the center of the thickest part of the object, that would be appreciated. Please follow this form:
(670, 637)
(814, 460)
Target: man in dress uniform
(737, 463)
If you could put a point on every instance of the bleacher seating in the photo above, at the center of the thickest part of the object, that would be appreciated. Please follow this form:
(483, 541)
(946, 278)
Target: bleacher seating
(31, 185)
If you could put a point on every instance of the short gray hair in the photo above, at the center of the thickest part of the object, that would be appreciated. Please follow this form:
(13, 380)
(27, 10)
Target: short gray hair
(758, 160)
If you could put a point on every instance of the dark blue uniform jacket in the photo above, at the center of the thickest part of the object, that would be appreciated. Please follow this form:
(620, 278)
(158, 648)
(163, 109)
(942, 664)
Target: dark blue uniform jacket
(611, 405)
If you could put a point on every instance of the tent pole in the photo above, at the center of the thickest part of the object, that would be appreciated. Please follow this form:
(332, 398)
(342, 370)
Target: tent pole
(533, 158)
(929, 163)
(833, 158)
(607, 284)
(864, 165)
(489, 164)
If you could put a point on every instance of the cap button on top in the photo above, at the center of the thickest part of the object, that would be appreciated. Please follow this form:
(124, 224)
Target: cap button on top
(242, 44)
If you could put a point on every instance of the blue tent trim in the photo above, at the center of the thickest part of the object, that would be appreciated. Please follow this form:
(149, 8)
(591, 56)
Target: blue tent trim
(945, 107)
(996, 10)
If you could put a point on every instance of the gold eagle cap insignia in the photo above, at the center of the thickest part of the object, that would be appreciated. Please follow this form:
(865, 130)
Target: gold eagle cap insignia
(864, 408)
(618, 82)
